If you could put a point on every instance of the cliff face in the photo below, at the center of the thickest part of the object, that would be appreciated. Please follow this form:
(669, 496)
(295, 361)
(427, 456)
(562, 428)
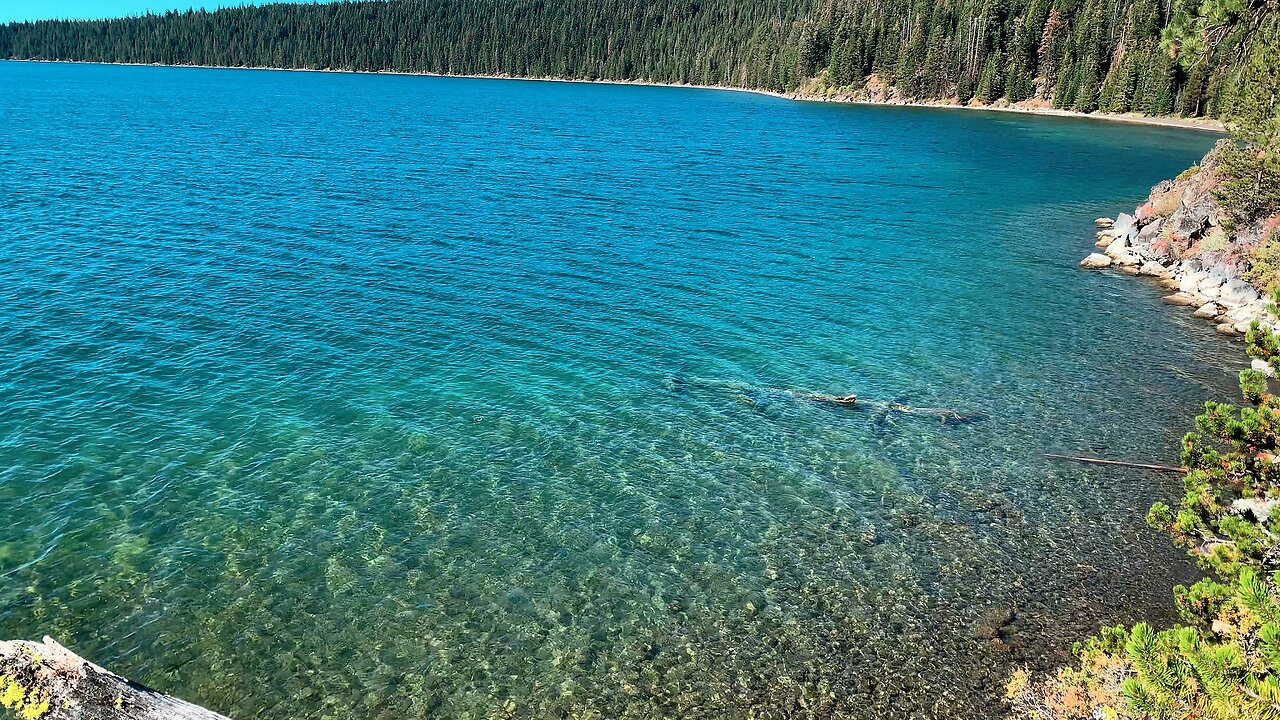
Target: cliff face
(1224, 268)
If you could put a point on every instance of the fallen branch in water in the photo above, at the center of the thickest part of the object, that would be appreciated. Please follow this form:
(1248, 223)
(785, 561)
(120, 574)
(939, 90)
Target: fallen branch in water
(1123, 463)
(47, 681)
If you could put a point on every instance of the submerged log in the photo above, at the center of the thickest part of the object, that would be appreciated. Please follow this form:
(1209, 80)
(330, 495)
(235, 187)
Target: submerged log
(45, 681)
(1121, 463)
(946, 415)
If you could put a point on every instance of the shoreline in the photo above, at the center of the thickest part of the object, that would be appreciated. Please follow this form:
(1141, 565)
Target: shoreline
(1161, 240)
(1199, 124)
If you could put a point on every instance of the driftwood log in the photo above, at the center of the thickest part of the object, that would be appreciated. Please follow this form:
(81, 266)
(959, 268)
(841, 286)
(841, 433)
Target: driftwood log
(946, 415)
(45, 681)
(1121, 463)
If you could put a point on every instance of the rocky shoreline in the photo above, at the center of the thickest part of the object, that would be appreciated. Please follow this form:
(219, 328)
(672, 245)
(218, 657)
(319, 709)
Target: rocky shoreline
(1182, 238)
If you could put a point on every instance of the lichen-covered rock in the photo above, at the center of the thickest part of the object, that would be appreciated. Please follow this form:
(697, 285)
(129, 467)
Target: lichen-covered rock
(45, 681)
(1150, 231)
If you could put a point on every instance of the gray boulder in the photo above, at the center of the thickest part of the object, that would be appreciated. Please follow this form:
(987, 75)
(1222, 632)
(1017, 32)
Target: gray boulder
(1190, 282)
(1207, 311)
(1184, 298)
(1263, 367)
(1238, 292)
(1118, 247)
(1150, 231)
(1124, 225)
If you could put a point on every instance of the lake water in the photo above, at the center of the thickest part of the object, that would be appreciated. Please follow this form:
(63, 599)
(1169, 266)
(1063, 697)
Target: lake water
(343, 396)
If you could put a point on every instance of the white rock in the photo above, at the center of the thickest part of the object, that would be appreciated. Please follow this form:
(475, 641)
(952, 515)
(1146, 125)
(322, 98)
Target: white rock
(1190, 282)
(1103, 222)
(1242, 326)
(1259, 508)
(1238, 292)
(1243, 313)
(1182, 298)
(1125, 225)
(1207, 310)
(1263, 367)
(1152, 268)
(1117, 248)
(1095, 260)
(1211, 282)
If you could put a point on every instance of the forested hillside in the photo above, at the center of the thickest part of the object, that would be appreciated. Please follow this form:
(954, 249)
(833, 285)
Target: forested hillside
(732, 42)
(1078, 54)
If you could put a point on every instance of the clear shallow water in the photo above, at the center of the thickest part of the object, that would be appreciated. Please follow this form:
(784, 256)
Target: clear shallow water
(380, 397)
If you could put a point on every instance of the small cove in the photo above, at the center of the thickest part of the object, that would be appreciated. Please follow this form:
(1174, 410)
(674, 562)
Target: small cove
(352, 395)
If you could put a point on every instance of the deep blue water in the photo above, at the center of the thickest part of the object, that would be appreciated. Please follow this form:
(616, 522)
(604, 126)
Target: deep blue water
(362, 396)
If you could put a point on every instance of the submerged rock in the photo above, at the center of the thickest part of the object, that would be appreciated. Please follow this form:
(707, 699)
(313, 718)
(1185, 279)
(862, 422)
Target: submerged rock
(992, 621)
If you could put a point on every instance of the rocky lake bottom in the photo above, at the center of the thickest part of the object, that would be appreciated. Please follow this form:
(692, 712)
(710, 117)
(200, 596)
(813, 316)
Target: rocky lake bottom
(397, 397)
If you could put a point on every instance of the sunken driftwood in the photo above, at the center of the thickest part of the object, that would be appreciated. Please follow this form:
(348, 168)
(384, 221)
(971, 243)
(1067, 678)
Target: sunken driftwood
(1121, 463)
(45, 681)
(946, 415)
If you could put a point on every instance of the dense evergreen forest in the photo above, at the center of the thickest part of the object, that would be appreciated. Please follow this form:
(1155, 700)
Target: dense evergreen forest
(1078, 54)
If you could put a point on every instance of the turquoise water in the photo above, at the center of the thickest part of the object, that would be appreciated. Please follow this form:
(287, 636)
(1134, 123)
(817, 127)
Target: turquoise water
(391, 397)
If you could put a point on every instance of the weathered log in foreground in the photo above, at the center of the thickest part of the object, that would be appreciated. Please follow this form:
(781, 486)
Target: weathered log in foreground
(45, 681)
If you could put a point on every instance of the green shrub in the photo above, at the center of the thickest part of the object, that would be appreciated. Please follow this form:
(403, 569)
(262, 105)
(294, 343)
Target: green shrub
(1264, 263)
(1250, 185)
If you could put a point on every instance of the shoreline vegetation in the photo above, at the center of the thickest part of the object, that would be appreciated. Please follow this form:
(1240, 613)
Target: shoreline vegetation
(1211, 235)
(1108, 57)
(800, 95)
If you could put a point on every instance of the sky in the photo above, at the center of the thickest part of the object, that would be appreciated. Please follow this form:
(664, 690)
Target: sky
(16, 10)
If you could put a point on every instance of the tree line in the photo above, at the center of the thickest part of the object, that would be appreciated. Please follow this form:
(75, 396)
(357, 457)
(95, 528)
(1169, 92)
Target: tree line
(1077, 54)
(711, 42)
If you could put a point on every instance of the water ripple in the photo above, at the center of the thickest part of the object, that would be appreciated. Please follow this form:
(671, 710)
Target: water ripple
(357, 397)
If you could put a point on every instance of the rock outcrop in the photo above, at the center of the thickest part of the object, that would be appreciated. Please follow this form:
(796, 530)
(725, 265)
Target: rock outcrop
(1180, 237)
(46, 681)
